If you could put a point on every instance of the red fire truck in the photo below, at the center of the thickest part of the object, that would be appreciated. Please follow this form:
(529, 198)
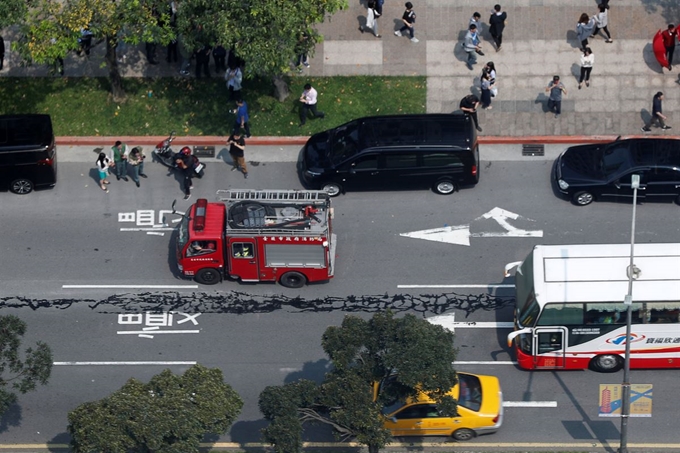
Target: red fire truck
(258, 236)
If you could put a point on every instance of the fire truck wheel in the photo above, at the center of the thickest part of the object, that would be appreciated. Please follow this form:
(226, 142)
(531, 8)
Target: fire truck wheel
(293, 280)
(333, 189)
(21, 186)
(208, 276)
(444, 187)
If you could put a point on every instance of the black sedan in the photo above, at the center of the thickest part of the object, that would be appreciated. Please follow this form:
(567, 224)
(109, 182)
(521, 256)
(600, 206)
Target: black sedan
(599, 171)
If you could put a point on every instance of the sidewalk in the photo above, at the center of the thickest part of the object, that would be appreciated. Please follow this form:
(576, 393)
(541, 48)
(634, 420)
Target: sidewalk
(539, 41)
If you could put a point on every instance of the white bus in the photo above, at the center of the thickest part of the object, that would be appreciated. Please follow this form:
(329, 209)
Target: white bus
(569, 310)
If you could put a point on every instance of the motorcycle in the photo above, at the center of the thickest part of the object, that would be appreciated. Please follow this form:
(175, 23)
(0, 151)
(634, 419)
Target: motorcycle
(166, 156)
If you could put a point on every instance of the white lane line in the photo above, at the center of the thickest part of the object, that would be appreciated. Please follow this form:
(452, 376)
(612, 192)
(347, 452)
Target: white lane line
(485, 362)
(122, 363)
(155, 233)
(129, 286)
(484, 325)
(529, 403)
(155, 332)
(456, 286)
(148, 229)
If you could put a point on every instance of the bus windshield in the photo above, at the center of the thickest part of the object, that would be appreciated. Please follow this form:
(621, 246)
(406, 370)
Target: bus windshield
(526, 307)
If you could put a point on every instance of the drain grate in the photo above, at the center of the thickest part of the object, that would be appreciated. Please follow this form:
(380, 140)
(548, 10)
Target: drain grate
(533, 150)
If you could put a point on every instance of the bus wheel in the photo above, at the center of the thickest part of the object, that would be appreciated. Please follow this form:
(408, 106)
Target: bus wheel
(208, 276)
(444, 187)
(608, 363)
(293, 280)
(463, 434)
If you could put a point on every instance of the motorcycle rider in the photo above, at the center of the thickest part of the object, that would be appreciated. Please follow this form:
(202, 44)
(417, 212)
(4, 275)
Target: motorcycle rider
(185, 161)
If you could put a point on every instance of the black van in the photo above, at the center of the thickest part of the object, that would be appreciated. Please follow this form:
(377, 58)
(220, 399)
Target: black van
(28, 154)
(438, 151)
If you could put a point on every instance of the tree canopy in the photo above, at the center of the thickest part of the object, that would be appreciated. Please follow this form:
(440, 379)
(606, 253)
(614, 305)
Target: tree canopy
(417, 357)
(170, 413)
(17, 373)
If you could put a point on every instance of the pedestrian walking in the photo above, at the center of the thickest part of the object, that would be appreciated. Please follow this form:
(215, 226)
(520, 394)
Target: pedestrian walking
(234, 77)
(490, 68)
(220, 56)
(242, 118)
(203, 61)
(584, 29)
(372, 16)
(476, 20)
(309, 101)
(2, 52)
(409, 20)
(669, 36)
(185, 56)
(472, 45)
(136, 161)
(173, 51)
(85, 41)
(556, 89)
(151, 52)
(119, 155)
(103, 164)
(301, 52)
(469, 106)
(497, 25)
(185, 162)
(657, 114)
(587, 60)
(486, 90)
(601, 22)
(237, 147)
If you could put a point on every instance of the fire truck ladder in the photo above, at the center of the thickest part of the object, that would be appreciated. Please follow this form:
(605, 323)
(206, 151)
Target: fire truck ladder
(271, 195)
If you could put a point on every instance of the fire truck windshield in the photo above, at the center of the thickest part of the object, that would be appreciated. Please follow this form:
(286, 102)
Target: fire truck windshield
(183, 232)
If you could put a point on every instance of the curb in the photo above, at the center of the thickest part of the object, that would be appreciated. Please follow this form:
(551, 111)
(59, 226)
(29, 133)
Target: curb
(301, 140)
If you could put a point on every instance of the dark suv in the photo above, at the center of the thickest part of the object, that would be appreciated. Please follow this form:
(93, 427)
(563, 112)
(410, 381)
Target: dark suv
(598, 171)
(28, 154)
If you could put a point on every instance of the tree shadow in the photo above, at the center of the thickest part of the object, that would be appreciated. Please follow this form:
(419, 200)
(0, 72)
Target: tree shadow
(60, 439)
(313, 371)
(669, 9)
(12, 417)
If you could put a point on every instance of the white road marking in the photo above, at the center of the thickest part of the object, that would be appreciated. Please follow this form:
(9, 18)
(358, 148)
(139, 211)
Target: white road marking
(448, 321)
(155, 233)
(485, 362)
(146, 332)
(148, 229)
(129, 286)
(529, 403)
(141, 362)
(460, 234)
(457, 286)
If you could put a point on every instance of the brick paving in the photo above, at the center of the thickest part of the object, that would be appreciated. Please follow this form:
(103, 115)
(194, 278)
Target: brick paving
(539, 41)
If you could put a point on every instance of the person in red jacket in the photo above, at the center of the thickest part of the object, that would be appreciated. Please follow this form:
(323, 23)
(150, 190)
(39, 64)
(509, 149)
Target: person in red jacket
(669, 36)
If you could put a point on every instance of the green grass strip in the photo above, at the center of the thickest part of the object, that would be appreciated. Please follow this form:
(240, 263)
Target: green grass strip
(83, 106)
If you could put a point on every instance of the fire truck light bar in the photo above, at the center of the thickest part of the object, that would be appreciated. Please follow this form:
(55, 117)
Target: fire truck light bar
(199, 214)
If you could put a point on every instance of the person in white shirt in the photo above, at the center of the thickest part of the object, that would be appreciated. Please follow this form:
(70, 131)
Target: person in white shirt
(601, 22)
(309, 100)
(587, 60)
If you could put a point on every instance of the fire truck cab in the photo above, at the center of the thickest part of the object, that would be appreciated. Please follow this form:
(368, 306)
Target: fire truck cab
(258, 236)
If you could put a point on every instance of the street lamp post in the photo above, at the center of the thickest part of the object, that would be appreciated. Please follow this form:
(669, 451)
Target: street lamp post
(628, 300)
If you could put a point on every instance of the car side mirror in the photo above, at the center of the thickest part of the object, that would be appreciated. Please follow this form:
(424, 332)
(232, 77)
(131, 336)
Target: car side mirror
(393, 419)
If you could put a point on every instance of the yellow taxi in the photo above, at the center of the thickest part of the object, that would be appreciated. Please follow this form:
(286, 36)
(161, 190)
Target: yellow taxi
(480, 411)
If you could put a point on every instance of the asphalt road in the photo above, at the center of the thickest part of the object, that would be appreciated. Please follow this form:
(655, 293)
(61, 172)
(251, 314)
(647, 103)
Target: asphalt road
(265, 334)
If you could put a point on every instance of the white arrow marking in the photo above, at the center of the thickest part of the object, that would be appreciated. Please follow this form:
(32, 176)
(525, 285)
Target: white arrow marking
(453, 235)
(460, 234)
(448, 321)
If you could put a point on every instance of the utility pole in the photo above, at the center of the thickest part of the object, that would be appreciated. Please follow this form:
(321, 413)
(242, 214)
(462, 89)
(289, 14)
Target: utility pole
(633, 272)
